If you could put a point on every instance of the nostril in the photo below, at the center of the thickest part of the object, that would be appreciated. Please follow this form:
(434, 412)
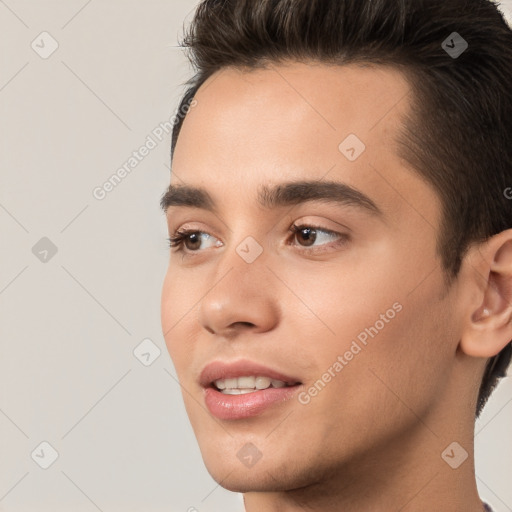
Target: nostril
(247, 324)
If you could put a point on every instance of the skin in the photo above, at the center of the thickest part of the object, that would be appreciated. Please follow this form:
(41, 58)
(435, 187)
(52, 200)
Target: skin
(372, 439)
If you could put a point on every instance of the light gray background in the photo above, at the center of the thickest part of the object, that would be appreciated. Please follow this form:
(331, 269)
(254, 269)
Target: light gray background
(69, 326)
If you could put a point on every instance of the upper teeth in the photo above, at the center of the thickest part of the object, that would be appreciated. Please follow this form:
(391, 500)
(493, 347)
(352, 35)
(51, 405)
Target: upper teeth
(247, 384)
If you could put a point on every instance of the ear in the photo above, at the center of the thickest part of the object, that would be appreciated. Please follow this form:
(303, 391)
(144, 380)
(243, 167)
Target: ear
(488, 320)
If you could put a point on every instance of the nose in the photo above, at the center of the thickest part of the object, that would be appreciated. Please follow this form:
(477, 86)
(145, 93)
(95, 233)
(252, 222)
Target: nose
(241, 298)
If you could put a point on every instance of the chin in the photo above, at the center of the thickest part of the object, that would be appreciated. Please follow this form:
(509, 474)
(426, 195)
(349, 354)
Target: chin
(267, 475)
(248, 480)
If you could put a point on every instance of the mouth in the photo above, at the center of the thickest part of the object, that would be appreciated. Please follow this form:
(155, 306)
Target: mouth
(244, 389)
(248, 384)
(243, 375)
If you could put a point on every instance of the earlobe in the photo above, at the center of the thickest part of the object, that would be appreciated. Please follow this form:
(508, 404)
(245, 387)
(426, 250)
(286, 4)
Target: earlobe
(489, 326)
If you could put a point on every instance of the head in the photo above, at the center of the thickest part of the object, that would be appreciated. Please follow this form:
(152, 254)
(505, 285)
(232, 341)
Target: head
(409, 281)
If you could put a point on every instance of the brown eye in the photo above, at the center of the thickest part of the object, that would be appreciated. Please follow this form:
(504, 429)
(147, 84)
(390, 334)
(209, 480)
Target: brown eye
(308, 234)
(192, 241)
(311, 234)
(188, 240)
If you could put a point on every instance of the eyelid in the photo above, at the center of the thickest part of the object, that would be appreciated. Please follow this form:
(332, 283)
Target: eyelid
(177, 240)
(342, 238)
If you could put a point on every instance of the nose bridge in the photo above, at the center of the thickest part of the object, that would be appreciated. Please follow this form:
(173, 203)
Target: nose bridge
(246, 252)
(241, 291)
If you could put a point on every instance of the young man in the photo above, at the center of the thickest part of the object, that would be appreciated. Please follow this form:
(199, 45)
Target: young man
(338, 300)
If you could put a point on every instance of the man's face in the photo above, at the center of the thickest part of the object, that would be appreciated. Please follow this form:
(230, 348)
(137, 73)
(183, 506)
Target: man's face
(356, 312)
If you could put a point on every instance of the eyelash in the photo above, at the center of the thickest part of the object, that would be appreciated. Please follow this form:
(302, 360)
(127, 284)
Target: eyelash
(177, 240)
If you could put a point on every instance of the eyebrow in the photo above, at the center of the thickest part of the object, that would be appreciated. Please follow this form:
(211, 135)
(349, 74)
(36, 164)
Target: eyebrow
(280, 195)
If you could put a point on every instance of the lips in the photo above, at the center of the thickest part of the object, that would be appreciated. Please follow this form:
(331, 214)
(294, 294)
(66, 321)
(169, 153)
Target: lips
(219, 370)
(228, 405)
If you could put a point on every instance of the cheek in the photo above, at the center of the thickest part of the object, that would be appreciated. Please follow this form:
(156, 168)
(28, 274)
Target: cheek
(407, 363)
(385, 384)
(344, 301)
(376, 317)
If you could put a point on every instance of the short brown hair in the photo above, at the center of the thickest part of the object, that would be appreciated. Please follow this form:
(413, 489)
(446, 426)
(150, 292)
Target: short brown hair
(459, 134)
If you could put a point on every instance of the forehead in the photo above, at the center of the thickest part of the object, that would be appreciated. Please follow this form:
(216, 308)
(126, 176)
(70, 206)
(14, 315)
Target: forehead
(296, 121)
(293, 108)
(331, 100)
